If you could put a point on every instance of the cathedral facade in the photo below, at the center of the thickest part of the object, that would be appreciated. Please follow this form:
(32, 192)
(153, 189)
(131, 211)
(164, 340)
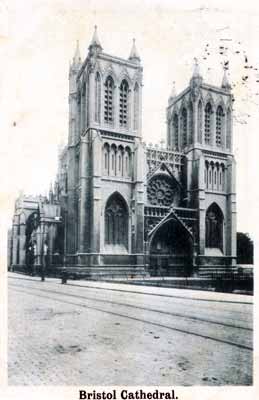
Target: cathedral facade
(120, 203)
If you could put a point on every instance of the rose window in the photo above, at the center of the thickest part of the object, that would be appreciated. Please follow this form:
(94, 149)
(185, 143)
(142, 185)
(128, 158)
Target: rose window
(160, 191)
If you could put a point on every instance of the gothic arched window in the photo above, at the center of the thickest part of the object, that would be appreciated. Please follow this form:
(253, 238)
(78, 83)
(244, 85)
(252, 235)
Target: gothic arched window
(127, 162)
(190, 123)
(176, 131)
(136, 106)
(120, 161)
(208, 112)
(214, 227)
(200, 122)
(116, 221)
(97, 98)
(124, 94)
(184, 127)
(106, 161)
(108, 100)
(219, 126)
(206, 175)
(113, 160)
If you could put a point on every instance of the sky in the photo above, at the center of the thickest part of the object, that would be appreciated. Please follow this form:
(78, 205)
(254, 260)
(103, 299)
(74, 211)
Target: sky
(37, 42)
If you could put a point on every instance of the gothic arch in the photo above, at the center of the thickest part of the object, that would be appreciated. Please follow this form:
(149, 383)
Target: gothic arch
(116, 221)
(184, 126)
(214, 227)
(190, 128)
(106, 159)
(125, 76)
(124, 103)
(220, 125)
(127, 161)
(98, 96)
(209, 99)
(110, 72)
(109, 99)
(136, 102)
(200, 121)
(120, 159)
(113, 152)
(171, 245)
(175, 130)
(208, 123)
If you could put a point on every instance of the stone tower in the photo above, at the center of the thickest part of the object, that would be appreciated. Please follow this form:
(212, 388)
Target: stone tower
(199, 121)
(105, 210)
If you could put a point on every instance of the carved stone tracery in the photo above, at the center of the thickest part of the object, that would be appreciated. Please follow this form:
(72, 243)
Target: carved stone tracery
(160, 191)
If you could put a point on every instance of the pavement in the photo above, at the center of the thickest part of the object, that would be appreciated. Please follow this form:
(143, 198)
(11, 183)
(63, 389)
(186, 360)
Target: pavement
(103, 333)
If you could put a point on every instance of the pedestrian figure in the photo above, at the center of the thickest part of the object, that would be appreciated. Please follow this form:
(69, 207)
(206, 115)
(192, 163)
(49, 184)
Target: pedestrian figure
(31, 256)
(44, 261)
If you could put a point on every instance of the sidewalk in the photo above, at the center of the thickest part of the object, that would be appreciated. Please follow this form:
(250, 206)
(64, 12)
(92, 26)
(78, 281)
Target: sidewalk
(154, 290)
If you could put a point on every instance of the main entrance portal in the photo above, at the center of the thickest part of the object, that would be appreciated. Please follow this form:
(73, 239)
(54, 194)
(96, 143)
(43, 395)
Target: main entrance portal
(171, 250)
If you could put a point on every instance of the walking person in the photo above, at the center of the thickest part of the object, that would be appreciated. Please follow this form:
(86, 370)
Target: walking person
(30, 258)
(44, 261)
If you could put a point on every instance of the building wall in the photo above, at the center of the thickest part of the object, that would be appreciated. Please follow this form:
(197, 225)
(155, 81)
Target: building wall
(105, 112)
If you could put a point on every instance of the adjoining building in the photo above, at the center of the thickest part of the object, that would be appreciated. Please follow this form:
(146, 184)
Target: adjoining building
(121, 205)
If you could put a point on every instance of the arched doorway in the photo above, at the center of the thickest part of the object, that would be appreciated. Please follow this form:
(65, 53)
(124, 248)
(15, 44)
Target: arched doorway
(116, 223)
(171, 249)
(214, 227)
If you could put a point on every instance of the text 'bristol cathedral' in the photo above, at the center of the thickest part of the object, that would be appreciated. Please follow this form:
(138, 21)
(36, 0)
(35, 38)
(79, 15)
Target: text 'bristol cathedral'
(120, 205)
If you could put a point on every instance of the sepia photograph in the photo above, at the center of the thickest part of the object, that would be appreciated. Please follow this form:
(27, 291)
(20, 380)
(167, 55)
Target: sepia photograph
(129, 203)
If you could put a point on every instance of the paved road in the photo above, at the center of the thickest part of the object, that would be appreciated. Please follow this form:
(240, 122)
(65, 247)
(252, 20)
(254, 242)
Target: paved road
(96, 333)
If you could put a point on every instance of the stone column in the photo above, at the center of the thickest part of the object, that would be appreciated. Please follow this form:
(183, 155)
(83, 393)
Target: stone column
(15, 240)
(140, 159)
(202, 210)
(231, 208)
(70, 222)
(84, 212)
(70, 213)
(22, 250)
(96, 173)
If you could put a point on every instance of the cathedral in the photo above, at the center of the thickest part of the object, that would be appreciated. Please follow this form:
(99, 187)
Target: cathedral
(122, 207)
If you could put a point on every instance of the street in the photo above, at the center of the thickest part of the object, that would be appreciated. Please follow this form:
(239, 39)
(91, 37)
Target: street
(97, 333)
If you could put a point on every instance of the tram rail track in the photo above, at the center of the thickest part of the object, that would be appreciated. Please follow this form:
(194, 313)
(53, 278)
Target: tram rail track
(172, 314)
(51, 295)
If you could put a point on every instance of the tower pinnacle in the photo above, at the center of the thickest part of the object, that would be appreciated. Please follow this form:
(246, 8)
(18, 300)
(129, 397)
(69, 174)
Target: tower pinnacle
(134, 56)
(196, 76)
(225, 83)
(77, 56)
(173, 92)
(196, 69)
(95, 43)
